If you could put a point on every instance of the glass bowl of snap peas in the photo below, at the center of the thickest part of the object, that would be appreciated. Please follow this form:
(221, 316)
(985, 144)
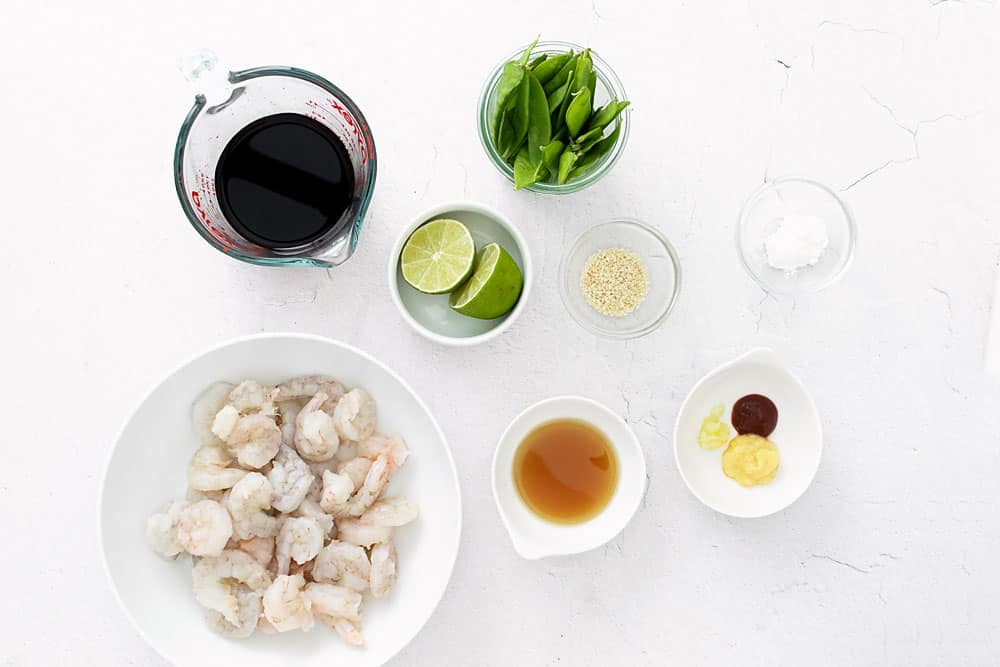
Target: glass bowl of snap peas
(553, 117)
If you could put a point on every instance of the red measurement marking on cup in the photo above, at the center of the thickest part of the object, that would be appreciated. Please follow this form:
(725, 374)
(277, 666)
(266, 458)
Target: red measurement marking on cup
(203, 215)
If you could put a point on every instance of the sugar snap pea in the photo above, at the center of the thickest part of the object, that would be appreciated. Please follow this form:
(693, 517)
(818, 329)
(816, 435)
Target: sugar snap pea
(557, 96)
(566, 162)
(581, 75)
(517, 117)
(588, 139)
(602, 117)
(592, 84)
(537, 60)
(550, 155)
(578, 111)
(510, 79)
(549, 68)
(597, 151)
(524, 171)
(559, 115)
(563, 74)
(527, 52)
(539, 125)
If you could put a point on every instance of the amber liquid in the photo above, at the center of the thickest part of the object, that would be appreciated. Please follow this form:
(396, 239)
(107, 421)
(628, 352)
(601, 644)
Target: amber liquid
(566, 471)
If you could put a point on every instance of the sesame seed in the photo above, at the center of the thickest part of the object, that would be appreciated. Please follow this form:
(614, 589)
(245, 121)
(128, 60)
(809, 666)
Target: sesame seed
(614, 281)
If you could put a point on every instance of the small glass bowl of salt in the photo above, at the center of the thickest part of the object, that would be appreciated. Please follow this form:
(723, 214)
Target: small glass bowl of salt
(795, 236)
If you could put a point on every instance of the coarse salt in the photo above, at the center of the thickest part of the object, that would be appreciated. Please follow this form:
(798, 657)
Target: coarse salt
(797, 242)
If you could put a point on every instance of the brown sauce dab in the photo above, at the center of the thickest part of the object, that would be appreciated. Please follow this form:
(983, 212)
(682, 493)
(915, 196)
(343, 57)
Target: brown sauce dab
(566, 471)
(755, 414)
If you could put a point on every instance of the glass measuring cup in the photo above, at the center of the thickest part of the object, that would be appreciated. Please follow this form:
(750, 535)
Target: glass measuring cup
(229, 103)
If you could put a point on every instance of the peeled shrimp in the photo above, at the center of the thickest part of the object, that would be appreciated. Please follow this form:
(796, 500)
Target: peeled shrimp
(354, 415)
(375, 482)
(161, 530)
(204, 528)
(285, 605)
(356, 469)
(362, 534)
(205, 407)
(333, 600)
(307, 386)
(290, 479)
(311, 509)
(250, 397)
(261, 548)
(215, 581)
(349, 631)
(248, 503)
(392, 512)
(348, 450)
(337, 490)
(299, 539)
(383, 570)
(224, 422)
(288, 410)
(248, 605)
(315, 435)
(394, 446)
(344, 564)
(209, 471)
(255, 440)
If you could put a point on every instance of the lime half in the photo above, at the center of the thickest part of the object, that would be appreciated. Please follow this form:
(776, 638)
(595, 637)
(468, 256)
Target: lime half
(438, 256)
(493, 288)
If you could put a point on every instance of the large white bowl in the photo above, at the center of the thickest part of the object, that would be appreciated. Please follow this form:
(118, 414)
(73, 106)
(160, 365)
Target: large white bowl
(147, 467)
(798, 436)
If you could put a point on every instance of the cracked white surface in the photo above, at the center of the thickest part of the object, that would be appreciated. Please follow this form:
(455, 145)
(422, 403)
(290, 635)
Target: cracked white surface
(890, 557)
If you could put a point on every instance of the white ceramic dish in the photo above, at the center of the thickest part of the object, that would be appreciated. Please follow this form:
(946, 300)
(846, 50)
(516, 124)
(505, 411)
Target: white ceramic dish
(430, 314)
(534, 537)
(147, 468)
(798, 435)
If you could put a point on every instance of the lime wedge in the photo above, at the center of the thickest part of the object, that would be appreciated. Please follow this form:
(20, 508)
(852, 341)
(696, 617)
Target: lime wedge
(493, 288)
(438, 256)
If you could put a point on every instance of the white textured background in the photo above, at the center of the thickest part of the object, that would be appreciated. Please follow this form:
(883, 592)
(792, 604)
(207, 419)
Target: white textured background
(891, 556)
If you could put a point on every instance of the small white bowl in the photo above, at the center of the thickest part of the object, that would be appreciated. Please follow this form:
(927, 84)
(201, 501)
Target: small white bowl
(534, 537)
(429, 314)
(798, 436)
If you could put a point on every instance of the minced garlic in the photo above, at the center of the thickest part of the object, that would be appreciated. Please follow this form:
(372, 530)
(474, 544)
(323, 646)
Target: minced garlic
(614, 281)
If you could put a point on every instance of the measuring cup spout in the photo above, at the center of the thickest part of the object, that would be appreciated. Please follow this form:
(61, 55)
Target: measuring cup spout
(209, 81)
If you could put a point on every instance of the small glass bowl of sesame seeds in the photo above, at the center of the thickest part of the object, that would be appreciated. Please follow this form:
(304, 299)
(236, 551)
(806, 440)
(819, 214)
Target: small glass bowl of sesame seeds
(620, 279)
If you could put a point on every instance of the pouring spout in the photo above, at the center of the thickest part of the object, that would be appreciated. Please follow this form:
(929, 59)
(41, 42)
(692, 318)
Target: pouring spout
(208, 80)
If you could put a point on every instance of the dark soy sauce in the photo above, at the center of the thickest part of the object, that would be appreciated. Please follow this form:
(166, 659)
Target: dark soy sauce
(284, 181)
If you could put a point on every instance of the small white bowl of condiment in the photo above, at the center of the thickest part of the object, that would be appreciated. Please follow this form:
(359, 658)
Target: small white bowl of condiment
(620, 279)
(795, 236)
(568, 475)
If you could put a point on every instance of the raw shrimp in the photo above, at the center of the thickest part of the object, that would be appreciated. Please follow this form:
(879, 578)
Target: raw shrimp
(348, 450)
(372, 447)
(383, 571)
(161, 530)
(251, 397)
(206, 406)
(204, 528)
(215, 579)
(288, 411)
(349, 631)
(344, 564)
(209, 471)
(261, 548)
(255, 440)
(354, 415)
(285, 606)
(249, 607)
(194, 495)
(311, 509)
(392, 512)
(356, 469)
(299, 539)
(248, 503)
(375, 482)
(315, 435)
(337, 490)
(290, 479)
(224, 422)
(333, 600)
(362, 534)
(307, 386)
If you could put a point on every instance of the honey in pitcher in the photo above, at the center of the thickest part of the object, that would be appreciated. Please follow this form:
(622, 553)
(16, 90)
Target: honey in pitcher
(566, 471)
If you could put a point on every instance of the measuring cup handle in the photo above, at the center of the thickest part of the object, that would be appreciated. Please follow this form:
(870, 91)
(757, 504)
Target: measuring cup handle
(208, 79)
